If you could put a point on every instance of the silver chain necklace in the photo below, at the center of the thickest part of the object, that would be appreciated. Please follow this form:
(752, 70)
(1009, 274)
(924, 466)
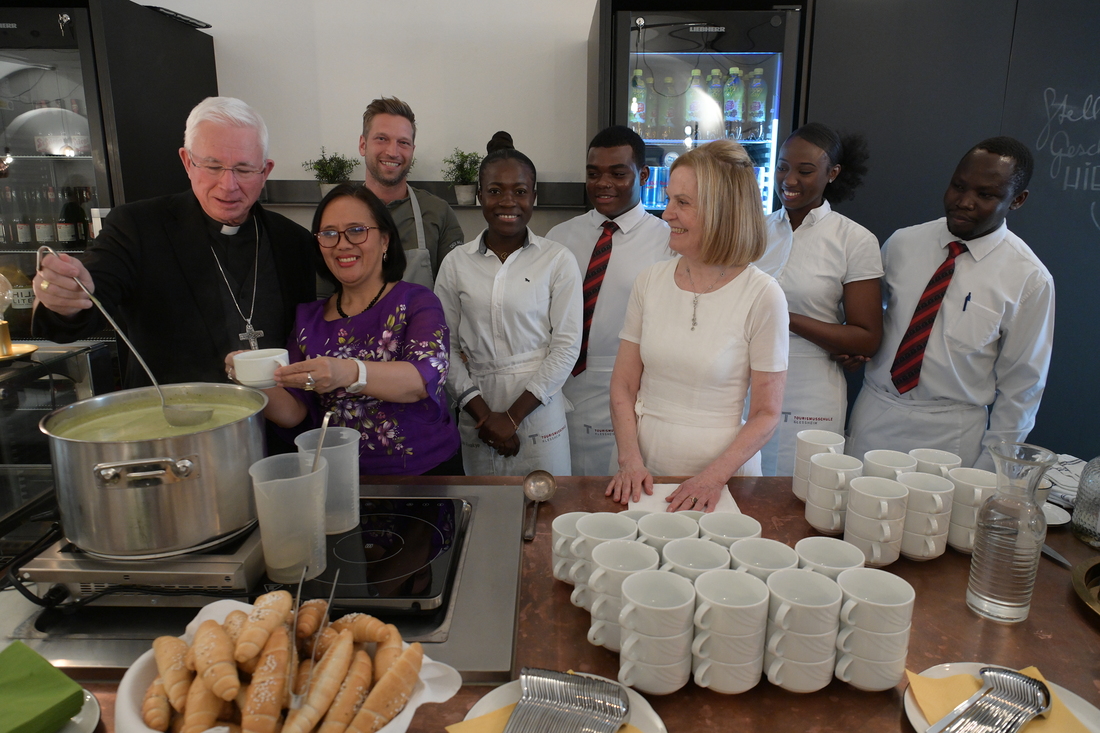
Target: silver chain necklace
(250, 334)
(695, 300)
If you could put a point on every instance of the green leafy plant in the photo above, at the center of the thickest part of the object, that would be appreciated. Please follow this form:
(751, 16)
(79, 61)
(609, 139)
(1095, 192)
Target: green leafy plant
(334, 168)
(460, 169)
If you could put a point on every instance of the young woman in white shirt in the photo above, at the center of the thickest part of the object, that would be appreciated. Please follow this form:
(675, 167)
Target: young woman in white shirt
(829, 268)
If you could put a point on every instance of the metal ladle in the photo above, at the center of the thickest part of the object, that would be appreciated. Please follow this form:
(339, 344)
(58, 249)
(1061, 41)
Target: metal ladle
(538, 486)
(176, 415)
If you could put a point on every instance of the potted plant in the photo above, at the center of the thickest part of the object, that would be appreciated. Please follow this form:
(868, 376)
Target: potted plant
(460, 170)
(330, 170)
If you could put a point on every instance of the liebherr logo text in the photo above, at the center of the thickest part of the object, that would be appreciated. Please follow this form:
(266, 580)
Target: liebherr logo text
(707, 29)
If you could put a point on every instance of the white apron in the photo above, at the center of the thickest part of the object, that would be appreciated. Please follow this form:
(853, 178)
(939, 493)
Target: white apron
(544, 437)
(682, 449)
(815, 398)
(591, 437)
(882, 421)
(418, 262)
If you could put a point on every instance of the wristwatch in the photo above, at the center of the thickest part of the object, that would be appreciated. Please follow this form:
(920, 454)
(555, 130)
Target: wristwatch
(361, 381)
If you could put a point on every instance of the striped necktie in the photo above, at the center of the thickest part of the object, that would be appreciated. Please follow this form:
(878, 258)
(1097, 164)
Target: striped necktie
(905, 372)
(593, 279)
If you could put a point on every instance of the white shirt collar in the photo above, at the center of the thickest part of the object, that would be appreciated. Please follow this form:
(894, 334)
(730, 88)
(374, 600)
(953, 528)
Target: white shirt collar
(814, 216)
(626, 220)
(483, 248)
(979, 247)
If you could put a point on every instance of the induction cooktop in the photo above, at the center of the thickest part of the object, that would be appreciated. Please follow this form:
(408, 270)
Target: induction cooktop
(401, 558)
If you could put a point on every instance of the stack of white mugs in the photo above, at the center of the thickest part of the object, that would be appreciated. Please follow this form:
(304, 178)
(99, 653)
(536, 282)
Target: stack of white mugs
(724, 607)
(875, 620)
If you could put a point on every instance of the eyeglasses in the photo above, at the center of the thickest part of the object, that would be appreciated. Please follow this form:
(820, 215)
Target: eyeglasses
(354, 235)
(216, 171)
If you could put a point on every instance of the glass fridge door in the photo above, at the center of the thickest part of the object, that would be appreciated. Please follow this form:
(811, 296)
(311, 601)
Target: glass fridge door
(49, 178)
(695, 77)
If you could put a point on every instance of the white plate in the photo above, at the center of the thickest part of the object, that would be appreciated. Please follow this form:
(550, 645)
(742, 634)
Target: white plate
(641, 717)
(438, 682)
(87, 719)
(1056, 515)
(1085, 712)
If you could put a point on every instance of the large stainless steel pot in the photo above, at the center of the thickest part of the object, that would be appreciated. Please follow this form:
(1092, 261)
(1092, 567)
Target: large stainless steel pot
(156, 498)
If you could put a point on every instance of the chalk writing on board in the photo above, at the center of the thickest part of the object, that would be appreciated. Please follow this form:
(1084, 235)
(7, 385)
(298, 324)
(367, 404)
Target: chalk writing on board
(1092, 211)
(1071, 136)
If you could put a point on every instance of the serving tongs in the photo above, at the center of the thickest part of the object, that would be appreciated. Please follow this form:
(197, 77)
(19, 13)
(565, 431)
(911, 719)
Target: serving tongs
(554, 702)
(1006, 702)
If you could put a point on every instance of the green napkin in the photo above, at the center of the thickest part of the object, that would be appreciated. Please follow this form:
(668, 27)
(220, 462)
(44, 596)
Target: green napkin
(35, 696)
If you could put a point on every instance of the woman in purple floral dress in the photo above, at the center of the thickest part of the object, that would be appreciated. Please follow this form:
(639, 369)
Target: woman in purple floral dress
(375, 353)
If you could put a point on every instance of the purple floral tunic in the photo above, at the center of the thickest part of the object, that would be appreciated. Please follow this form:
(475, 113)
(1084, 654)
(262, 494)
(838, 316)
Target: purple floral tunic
(407, 324)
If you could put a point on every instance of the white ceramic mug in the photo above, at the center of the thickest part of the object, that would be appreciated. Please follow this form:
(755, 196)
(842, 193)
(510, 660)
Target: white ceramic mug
(809, 443)
(659, 528)
(655, 679)
(961, 538)
(923, 546)
(928, 492)
(257, 368)
(606, 607)
(871, 644)
(593, 529)
(657, 603)
(870, 676)
(972, 485)
(876, 600)
(618, 559)
(563, 531)
(725, 528)
(827, 498)
(729, 602)
(801, 647)
(825, 521)
(800, 486)
(798, 676)
(635, 514)
(827, 555)
(582, 596)
(965, 516)
(562, 566)
(930, 524)
(834, 470)
(876, 530)
(878, 498)
(728, 649)
(605, 634)
(691, 557)
(875, 554)
(655, 649)
(887, 463)
(729, 679)
(580, 572)
(803, 601)
(938, 462)
(761, 557)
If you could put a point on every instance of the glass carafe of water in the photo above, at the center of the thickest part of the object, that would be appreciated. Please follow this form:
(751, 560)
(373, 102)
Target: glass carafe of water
(1010, 534)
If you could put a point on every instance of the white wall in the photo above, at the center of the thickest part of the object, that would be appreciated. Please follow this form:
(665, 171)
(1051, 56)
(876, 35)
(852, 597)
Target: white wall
(467, 69)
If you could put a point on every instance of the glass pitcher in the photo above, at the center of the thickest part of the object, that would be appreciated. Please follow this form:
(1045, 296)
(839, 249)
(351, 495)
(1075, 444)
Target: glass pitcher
(1010, 534)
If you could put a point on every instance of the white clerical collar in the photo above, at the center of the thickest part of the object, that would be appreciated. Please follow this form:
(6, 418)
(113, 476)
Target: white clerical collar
(226, 229)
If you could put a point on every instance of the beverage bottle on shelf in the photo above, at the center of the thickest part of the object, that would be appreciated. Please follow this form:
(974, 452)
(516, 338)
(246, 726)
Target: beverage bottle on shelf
(667, 117)
(638, 94)
(757, 107)
(693, 100)
(715, 86)
(1086, 507)
(733, 103)
(6, 223)
(44, 230)
(70, 225)
(24, 223)
(650, 109)
(18, 314)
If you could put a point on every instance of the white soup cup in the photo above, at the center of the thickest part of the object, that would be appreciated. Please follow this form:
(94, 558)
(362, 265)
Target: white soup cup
(729, 602)
(761, 557)
(887, 463)
(803, 601)
(878, 498)
(938, 462)
(827, 555)
(876, 600)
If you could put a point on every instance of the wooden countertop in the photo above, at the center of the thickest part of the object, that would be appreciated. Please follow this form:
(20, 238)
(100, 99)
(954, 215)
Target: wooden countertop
(1061, 635)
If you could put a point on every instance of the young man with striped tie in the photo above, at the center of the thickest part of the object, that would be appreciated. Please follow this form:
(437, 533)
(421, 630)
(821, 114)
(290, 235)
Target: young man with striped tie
(612, 243)
(969, 321)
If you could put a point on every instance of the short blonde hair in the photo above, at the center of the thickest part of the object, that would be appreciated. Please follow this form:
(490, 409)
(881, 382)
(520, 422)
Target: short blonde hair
(729, 207)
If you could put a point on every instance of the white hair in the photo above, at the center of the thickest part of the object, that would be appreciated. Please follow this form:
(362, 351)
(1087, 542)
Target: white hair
(224, 111)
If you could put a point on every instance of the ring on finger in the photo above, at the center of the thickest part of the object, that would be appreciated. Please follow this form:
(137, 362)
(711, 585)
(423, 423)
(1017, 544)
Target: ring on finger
(310, 382)
(694, 500)
(45, 284)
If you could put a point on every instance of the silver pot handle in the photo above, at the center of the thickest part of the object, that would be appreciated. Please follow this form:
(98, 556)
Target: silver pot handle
(145, 472)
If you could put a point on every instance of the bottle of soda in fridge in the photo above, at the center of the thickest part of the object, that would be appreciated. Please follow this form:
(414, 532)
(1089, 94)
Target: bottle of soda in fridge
(44, 230)
(638, 94)
(758, 103)
(24, 224)
(667, 111)
(733, 103)
(694, 101)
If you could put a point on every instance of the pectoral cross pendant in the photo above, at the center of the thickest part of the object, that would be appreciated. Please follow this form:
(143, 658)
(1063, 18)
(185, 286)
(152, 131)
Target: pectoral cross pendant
(250, 334)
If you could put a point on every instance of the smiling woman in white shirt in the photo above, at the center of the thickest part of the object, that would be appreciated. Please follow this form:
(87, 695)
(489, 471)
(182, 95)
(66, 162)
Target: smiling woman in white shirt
(513, 304)
(829, 268)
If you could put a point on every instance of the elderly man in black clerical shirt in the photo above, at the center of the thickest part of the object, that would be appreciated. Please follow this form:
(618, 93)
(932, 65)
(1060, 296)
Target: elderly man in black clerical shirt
(192, 276)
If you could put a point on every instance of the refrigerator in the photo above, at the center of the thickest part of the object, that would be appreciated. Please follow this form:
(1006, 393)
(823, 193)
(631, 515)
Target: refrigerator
(682, 78)
(93, 100)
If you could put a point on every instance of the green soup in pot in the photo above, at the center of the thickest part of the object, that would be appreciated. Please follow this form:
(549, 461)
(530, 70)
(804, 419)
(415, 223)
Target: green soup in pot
(114, 423)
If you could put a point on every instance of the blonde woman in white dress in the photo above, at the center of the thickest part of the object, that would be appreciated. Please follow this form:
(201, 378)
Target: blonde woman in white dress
(700, 330)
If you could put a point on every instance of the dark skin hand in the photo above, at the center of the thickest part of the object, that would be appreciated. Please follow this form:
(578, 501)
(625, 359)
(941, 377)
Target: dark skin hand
(496, 429)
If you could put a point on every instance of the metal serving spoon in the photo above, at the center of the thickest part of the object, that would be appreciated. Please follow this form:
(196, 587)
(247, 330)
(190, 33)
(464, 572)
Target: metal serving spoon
(176, 415)
(538, 486)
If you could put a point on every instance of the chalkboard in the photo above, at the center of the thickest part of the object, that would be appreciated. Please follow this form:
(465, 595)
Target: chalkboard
(1052, 103)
